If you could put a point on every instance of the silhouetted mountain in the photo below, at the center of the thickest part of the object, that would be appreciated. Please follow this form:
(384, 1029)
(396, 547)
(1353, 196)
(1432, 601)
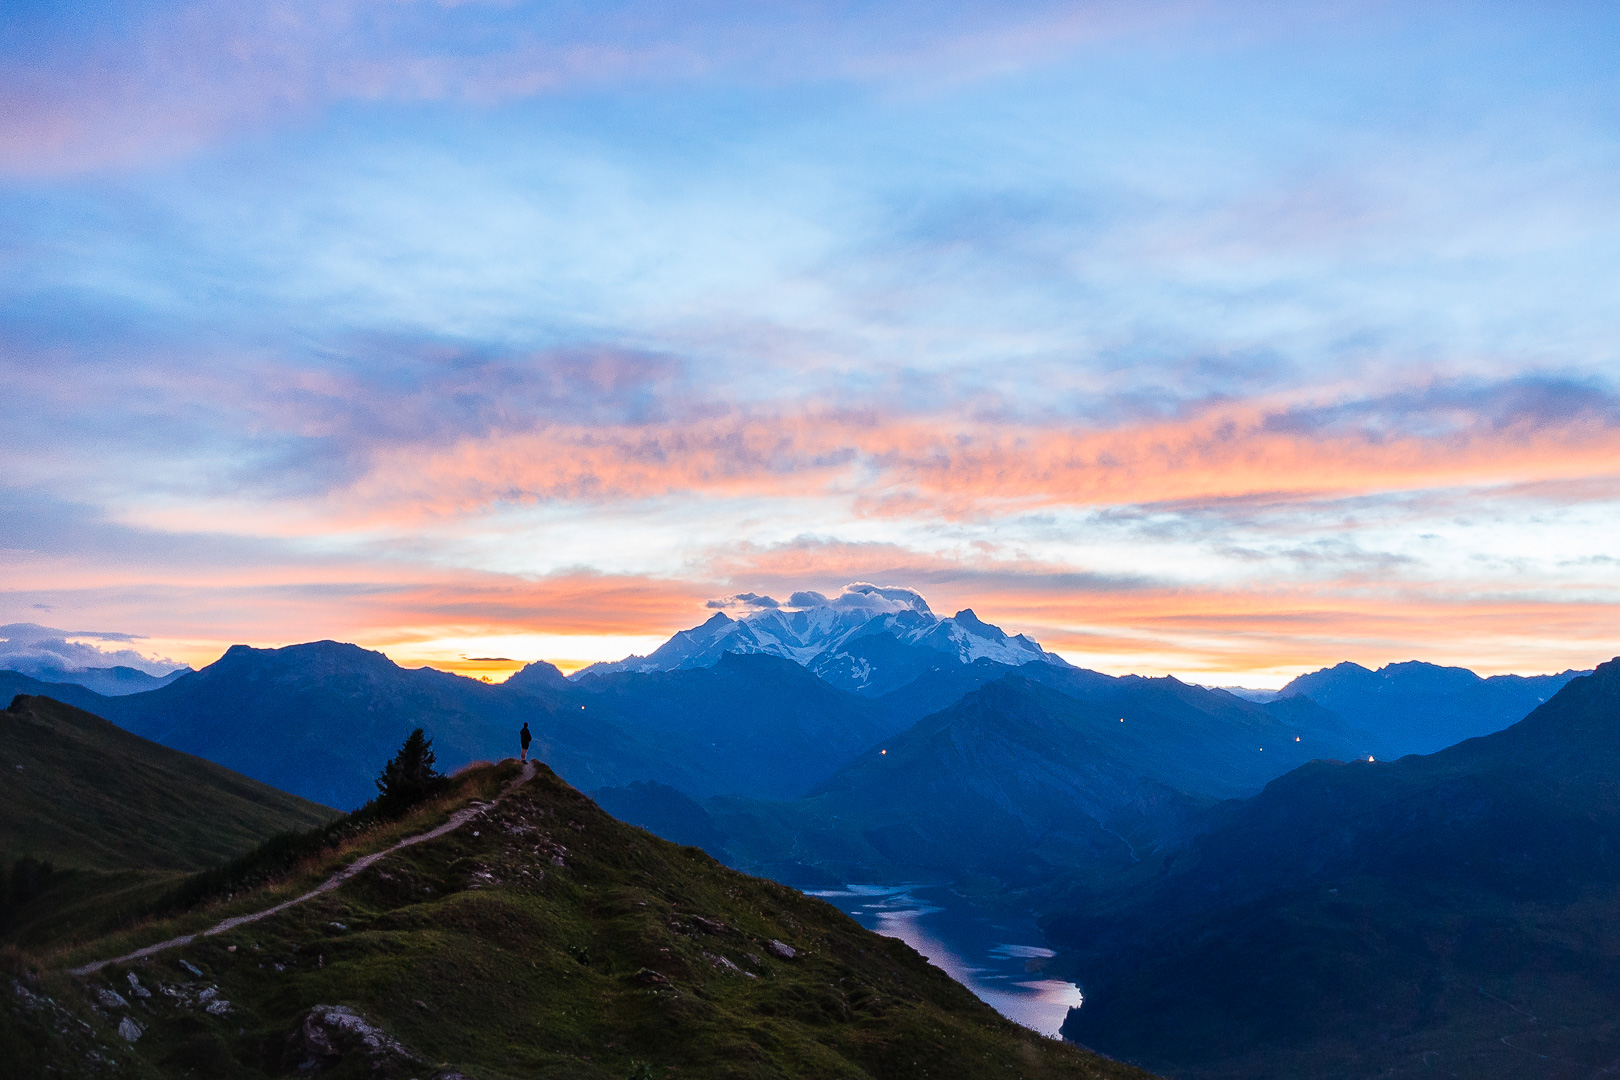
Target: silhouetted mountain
(752, 725)
(869, 640)
(108, 681)
(1023, 779)
(316, 719)
(13, 683)
(1382, 918)
(538, 675)
(1418, 708)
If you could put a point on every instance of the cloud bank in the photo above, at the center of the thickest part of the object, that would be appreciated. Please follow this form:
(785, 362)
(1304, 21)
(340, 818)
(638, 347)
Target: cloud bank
(42, 651)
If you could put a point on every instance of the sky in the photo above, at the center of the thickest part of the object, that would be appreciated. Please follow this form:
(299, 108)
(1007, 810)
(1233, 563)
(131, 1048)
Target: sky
(1227, 340)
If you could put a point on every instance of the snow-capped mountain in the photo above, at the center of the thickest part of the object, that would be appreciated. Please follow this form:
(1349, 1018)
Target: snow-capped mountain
(868, 639)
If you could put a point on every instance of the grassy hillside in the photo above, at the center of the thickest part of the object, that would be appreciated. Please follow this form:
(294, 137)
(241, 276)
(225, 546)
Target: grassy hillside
(112, 812)
(84, 793)
(545, 940)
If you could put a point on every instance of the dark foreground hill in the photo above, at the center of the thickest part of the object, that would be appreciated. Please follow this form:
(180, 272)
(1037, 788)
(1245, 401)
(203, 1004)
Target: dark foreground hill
(543, 939)
(1445, 915)
(114, 813)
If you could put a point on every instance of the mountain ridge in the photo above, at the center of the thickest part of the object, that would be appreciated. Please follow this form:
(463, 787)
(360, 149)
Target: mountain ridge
(1428, 905)
(823, 635)
(1414, 707)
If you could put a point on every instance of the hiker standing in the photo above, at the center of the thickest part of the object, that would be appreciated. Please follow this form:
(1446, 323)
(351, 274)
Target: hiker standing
(523, 737)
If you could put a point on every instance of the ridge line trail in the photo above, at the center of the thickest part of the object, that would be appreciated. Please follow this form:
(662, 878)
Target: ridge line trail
(457, 820)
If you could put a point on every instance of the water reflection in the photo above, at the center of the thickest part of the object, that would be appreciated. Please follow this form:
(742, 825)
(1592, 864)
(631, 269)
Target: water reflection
(988, 952)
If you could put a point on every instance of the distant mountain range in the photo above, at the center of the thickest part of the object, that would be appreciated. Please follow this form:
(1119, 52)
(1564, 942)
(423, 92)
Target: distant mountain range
(1246, 883)
(869, 640)
(1418, 708)
(318, 719)
(1449, 913)
(769, 729)
(1039, 768)
(106, 681)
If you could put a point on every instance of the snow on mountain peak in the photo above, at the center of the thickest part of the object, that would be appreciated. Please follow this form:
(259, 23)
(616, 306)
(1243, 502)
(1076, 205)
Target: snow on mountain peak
(818, 631)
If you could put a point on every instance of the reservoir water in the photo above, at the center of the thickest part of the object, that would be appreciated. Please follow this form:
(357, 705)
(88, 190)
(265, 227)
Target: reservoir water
(998, 957)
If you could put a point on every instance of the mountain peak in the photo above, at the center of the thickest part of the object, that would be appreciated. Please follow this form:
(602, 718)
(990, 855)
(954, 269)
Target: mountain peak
(867, 639)
(538, 674)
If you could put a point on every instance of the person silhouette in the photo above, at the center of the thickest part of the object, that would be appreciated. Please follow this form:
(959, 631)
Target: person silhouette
(523, 737)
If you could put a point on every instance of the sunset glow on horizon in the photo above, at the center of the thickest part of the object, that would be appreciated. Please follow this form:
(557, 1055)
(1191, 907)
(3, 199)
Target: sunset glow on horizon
(1224, 341)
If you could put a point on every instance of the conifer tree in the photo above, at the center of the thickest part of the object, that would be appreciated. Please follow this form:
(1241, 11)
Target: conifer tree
(409, 777)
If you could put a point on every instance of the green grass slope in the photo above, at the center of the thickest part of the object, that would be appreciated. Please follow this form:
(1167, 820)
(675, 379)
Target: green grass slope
(113, 812)
(84, 793)
(544, 939)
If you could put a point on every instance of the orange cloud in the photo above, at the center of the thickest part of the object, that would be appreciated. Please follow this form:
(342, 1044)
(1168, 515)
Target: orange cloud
(1267, 618)
(958, 469)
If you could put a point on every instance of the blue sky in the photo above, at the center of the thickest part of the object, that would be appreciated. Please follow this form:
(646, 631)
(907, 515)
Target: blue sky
(1222, 339)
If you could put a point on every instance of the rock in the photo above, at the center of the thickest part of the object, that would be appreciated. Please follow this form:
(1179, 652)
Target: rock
(781, 950)
(218, 1007)
(28, 997)
(649, 977)
(710, 926)
(329, 1034)
(189, 967)
(129, 1030)
(110, 999)
(722, 963)
(136, 987)
(337, 926)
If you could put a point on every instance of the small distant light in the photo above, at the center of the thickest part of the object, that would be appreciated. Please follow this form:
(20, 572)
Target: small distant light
(1369, 757)
(1122, 719)
(883, 751)
(1296, 738)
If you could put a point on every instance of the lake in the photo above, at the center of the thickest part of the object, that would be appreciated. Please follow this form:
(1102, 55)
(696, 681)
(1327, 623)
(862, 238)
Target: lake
(998, 957)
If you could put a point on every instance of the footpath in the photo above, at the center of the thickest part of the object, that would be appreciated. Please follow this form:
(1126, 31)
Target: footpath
(457, 820)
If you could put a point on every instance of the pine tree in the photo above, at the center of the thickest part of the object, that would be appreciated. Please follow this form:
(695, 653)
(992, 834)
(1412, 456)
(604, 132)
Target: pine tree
(409, 777)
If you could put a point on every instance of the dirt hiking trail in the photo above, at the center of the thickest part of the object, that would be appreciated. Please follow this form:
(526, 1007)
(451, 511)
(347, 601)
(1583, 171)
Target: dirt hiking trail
(457, 820)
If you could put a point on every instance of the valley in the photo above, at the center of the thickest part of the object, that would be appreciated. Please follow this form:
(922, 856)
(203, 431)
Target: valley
(1175, 876)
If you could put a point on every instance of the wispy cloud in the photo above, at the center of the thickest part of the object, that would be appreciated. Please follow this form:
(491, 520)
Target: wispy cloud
(115, 83)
